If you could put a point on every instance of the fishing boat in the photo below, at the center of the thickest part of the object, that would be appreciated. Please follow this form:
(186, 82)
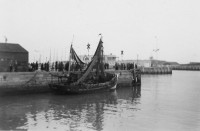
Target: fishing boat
(92, 79)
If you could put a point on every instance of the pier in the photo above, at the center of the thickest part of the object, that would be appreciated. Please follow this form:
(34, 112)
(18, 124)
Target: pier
(37, 82)
(156, 70)
(187, 67)
(24, 82)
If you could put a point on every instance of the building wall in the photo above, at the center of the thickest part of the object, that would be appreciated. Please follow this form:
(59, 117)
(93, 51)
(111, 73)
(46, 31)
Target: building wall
(143, 63)
(110, 59)
(86, 58)
(20, 60)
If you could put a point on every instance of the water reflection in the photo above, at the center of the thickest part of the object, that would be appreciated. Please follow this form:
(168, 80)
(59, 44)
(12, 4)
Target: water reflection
(82, 109)
(136, 91)
(50, 111)
(14, 109)
(130, 93)
(160, 104)
(26, 112)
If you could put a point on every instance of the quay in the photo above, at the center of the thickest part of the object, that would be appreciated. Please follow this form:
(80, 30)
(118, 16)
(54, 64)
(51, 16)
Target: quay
(37, 81)
(187, 67)
(156, 70)
(24, 82)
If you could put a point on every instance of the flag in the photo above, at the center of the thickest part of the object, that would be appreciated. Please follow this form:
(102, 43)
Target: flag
(156, 50)
(88, 46)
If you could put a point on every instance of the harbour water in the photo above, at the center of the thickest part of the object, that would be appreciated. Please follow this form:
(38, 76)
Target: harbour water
(162, 103)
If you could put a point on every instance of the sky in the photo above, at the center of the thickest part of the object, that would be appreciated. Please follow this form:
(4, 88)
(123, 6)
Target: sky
(137, 27)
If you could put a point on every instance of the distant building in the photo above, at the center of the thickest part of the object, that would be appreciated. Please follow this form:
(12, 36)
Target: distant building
(150, 63)
(194, 63)
(142, 63)
(13, 57)
(110, 59)
(171, 64)
(157, 63)
(86, 58)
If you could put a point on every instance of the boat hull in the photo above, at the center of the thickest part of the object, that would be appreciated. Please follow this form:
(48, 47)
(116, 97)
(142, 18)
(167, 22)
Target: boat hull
(114, 87)
(62, 88)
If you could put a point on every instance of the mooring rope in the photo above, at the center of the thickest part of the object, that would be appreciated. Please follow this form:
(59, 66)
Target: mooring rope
(30, 80)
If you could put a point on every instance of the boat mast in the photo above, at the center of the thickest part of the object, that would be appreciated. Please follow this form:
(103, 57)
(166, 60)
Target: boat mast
(70, 55)
(100, 64)
(101, 58)
(95, 63)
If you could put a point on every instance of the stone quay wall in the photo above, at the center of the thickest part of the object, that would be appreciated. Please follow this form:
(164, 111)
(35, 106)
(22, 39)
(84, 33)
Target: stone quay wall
(125, 77)
(24, 81)
(36, 82)
(187, 67)
(156, 70)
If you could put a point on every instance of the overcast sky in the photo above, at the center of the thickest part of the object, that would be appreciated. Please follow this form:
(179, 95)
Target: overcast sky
(134, 26)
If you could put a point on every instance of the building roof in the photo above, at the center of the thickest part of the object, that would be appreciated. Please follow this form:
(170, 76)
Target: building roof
(10, 47)
(194, 63)
(171, 63)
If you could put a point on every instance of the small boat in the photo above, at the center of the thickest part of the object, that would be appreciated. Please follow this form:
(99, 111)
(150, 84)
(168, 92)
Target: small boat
(92, 79)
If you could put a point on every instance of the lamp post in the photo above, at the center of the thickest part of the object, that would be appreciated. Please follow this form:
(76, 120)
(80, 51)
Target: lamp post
(88, 48)
(122, 53)
(156, 50)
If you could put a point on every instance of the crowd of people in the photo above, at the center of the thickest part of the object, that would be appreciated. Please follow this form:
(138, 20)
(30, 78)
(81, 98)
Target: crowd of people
(125, 66)
(58, 66)
(33, 66)
(64, 66)
(13, 66)
(54, 66)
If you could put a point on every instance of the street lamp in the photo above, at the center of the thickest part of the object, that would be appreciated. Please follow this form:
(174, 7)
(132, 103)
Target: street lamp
(88, 48)
(122, 53)
(156, 50)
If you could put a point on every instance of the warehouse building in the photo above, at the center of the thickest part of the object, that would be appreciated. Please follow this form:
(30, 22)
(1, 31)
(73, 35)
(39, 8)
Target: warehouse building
(13, 57)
